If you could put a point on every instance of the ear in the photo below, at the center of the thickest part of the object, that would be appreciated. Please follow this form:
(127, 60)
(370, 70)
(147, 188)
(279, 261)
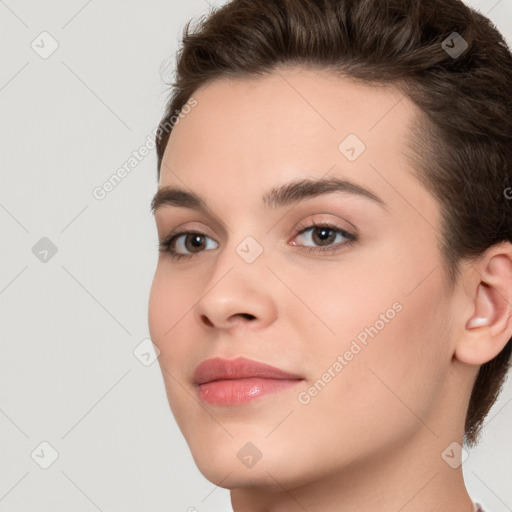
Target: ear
(488, 327)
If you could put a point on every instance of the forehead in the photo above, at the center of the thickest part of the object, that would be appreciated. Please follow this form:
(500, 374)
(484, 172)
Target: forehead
(294, 123)
(296, 102)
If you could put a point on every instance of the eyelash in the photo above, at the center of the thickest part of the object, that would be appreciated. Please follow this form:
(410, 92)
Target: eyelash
(167, 245)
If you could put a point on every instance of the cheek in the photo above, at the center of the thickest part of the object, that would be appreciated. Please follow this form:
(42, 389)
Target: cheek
(385, 325)
(167, 311)
(406, 362)
(343, 301)
(170, 305)
(390, 381)
(170, 300)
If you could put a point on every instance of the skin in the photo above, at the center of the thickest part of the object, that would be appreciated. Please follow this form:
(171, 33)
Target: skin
(373, 437)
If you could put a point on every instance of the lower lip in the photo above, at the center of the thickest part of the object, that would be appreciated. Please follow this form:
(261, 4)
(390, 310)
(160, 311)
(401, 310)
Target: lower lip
(241, 391)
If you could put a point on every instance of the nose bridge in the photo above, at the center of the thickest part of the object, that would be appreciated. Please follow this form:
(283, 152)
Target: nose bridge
(245, 240)
(237, 286)
(241, 259)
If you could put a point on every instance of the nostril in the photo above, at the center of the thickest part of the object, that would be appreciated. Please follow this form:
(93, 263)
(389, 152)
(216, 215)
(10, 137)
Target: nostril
(206, 320)
(209, 323)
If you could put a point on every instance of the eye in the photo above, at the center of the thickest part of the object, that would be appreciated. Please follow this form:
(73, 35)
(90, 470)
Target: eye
(186, 244)
(325, 234)
(177, 243)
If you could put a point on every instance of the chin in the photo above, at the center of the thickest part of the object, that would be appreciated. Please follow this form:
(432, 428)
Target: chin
(235, 461)
(240, 463)
(231, 476)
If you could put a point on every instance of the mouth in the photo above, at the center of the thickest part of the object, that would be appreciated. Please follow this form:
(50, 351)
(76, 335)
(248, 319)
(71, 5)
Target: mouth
(239, 381)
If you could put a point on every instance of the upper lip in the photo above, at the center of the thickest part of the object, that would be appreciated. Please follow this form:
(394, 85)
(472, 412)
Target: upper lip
(239, 368)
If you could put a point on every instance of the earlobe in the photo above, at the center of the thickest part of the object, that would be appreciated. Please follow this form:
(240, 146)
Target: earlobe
(489, 328)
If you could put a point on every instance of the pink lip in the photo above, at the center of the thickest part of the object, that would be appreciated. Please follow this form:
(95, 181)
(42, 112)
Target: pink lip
(240, 380)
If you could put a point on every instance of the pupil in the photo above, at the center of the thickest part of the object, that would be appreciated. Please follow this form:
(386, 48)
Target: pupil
(323, 234)
(196, 241)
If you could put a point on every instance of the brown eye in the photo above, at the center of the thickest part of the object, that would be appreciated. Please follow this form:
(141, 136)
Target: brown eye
(323, 237)
(194, 242)
(185, 244)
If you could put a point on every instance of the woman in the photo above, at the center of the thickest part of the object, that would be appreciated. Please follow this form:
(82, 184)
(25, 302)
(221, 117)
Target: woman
(333, 296)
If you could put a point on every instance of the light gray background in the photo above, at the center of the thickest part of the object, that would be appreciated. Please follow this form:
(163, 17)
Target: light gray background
(70, 325)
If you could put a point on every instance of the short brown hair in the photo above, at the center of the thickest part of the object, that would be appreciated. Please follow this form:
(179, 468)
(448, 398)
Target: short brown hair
(461, 144)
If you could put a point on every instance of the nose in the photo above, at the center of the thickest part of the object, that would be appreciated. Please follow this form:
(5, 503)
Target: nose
(238, 298)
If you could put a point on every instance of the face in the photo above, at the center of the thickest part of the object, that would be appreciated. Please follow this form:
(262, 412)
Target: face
(338, 284)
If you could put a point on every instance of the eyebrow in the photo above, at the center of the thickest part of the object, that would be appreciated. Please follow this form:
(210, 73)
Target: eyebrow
(284, 195)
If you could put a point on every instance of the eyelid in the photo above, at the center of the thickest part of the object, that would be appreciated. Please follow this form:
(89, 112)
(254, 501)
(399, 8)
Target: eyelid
(350, 238)
(167, 245)
(168, 242)
(182, 228)
(315, 222)
(181, 217)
